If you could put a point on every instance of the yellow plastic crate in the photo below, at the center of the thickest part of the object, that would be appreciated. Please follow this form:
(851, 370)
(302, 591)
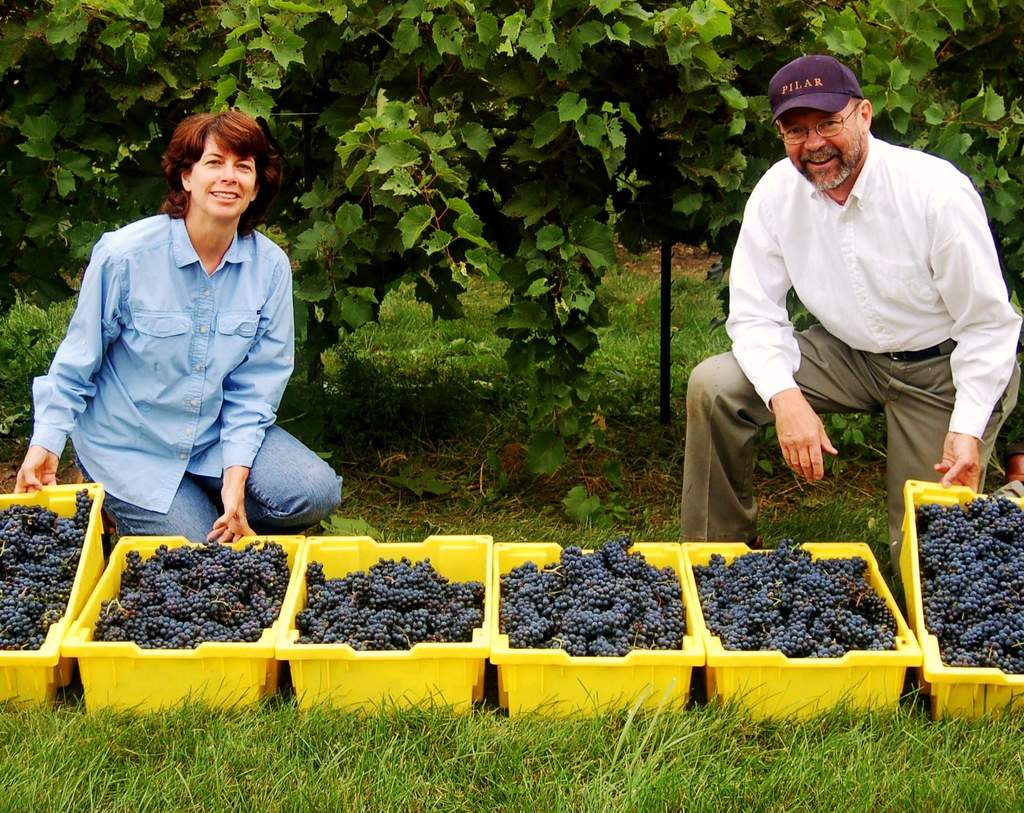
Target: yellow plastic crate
(956, 691)
(553, 682)
(123, 675)
(337, 675)
(33, 676)
(769, 684)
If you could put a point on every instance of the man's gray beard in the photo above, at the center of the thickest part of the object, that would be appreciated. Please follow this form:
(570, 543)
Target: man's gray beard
(847, 164)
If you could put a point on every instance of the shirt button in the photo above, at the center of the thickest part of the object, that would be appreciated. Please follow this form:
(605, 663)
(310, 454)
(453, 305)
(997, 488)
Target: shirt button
(200, 367)
(188, 432)
(183, 456)
(194, 402)
(202, 328)
(206, 291)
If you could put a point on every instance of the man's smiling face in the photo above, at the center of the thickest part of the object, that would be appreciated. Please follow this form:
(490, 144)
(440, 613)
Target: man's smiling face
(829, 162)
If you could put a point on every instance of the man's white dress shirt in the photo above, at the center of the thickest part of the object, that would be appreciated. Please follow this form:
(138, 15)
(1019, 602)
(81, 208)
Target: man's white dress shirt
(908, 262)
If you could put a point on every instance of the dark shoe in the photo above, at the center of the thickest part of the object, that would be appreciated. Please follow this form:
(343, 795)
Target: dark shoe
(1014, 467)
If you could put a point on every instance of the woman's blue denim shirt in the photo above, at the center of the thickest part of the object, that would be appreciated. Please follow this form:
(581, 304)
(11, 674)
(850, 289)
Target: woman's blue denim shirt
(165, 368)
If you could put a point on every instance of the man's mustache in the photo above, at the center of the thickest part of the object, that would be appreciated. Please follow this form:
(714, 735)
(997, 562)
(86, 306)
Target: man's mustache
(819, 155)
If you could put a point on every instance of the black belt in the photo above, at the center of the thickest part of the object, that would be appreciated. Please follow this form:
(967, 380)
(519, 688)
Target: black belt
(940, 349)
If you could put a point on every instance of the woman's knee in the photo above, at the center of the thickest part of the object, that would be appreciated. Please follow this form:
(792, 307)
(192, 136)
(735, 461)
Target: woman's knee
(291, 481)
(323, 492)
(304, 494)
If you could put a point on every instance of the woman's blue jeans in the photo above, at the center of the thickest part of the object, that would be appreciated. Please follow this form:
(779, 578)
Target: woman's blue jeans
(289, 489)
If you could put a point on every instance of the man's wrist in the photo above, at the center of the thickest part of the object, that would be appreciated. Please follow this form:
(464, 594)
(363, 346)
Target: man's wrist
(783, 398)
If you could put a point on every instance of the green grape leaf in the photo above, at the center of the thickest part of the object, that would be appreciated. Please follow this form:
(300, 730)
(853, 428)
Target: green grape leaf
(407, 37)
(571, 107)
(545, 452)
(594, 240)
(231, 55)
(413, 223)
(995, 107)
(549, 237)
(347, 219)
(398, 154)
(478, 138)
(580, 506)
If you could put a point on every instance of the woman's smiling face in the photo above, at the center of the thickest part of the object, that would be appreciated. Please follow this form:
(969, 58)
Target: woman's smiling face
(221, 185)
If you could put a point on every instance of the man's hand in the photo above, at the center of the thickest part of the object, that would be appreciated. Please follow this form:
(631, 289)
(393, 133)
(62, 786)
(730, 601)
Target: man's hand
(801, 434)
(232, 524)
(961, 461)
(38, 469)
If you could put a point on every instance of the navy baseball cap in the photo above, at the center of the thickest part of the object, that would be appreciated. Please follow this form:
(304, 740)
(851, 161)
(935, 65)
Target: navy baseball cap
(816, 81)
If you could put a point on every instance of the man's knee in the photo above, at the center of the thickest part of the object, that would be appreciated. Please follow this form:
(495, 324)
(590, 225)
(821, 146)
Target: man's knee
(714, 378)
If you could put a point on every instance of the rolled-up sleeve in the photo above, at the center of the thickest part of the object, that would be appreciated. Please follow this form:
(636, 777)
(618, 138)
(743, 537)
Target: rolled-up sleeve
(60, 396)
(253, 390)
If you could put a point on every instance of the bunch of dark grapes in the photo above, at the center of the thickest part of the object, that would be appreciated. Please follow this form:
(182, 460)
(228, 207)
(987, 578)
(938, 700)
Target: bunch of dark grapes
(180, 597)
(604, 603)
(393, 605)
(39, 553)
(785, 601)
(972, 580)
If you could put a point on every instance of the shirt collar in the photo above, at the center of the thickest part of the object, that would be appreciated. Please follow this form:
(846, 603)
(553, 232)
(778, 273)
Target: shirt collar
(241, 249)
(184, 253)
(866, 180)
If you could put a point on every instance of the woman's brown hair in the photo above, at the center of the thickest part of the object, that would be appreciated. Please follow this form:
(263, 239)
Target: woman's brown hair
(234, 131)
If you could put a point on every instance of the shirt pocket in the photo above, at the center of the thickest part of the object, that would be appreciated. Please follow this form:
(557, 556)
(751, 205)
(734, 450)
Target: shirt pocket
(160, 340)
(161, 324)
(235, 333)
(904, 283)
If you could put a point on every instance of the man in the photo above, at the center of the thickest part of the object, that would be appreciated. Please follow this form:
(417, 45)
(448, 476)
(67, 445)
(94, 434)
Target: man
(890, 250)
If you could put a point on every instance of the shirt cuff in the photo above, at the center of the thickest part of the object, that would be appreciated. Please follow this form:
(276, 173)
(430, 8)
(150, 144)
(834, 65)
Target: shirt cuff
(768, 388)
(50, 438)
(969, 419)
(767, 376)
(238, 454)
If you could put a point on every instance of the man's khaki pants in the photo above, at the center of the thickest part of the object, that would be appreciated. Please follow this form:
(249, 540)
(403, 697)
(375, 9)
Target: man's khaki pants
(724, 413)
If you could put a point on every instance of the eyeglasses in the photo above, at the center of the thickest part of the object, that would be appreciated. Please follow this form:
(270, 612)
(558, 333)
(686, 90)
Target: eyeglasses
(826, 128)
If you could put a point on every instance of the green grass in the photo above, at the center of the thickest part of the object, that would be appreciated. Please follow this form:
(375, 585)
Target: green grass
(277, 758)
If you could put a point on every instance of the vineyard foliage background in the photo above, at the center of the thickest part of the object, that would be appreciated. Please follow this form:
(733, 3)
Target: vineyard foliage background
(436, 142)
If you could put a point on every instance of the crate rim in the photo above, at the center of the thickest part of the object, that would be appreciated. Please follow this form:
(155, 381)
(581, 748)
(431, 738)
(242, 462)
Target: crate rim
(50, 653)
(933, 667)
(692, 653)
(288, 648)
(907, 653)
(77, 645)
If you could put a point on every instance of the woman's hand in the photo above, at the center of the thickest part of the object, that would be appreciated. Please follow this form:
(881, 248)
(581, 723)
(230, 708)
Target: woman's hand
(38, 469)
(232, 524)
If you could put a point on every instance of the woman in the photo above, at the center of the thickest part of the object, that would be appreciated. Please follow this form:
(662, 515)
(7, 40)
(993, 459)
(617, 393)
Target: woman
(177, 355)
